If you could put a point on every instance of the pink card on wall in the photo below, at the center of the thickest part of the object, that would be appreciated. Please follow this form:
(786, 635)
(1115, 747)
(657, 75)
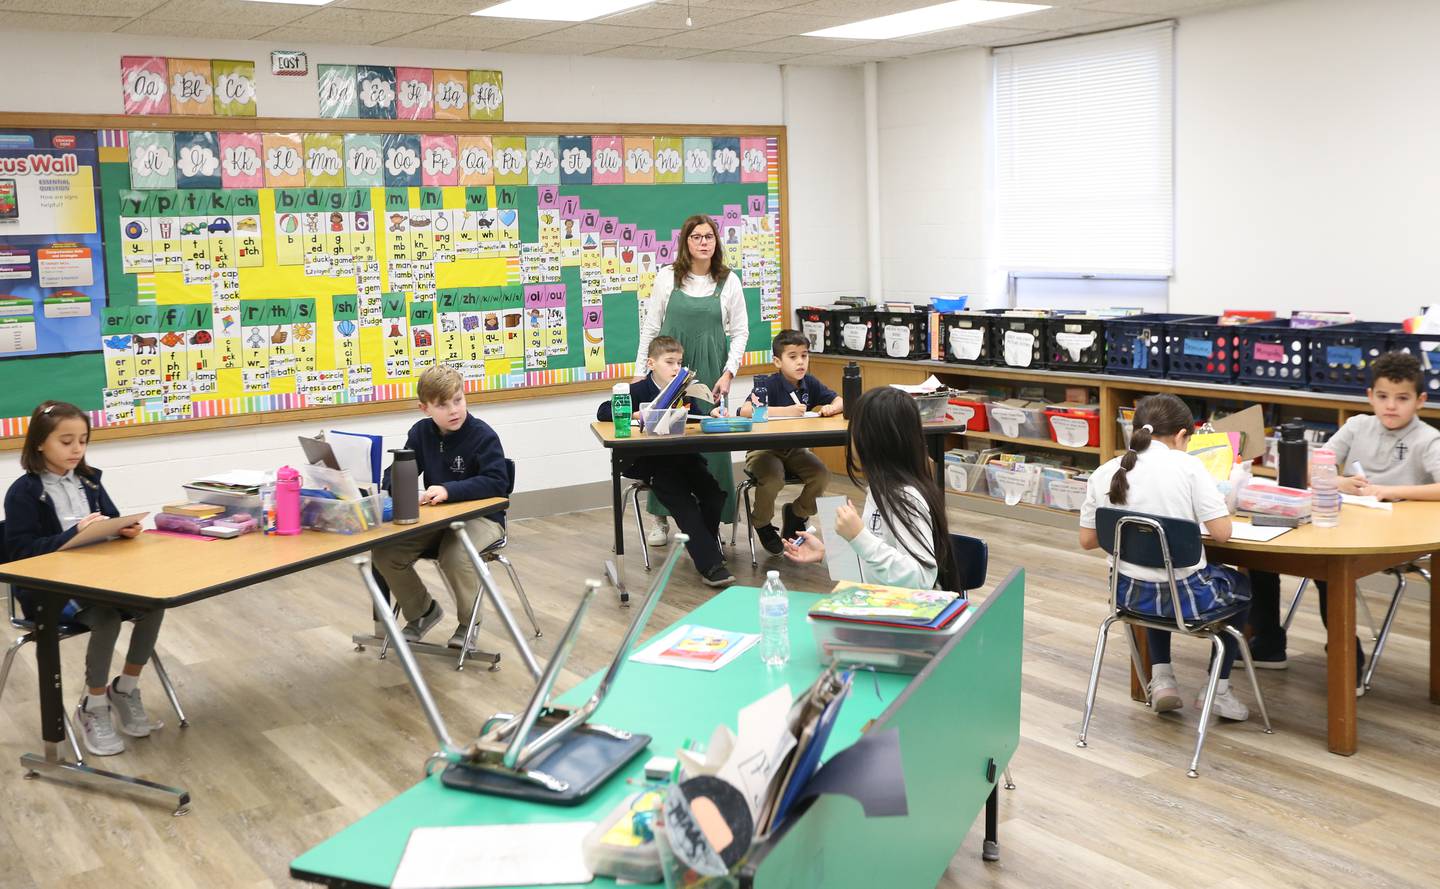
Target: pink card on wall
(608, 154)
(589, 220)
(555, 296)
(242, 160)
(439, 164)
(414, 94)
(145, 83)
(570, 207)
(754, 167)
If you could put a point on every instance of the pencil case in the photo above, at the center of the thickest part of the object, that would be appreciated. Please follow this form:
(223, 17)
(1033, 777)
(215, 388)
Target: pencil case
(180, 524)
(726, 424)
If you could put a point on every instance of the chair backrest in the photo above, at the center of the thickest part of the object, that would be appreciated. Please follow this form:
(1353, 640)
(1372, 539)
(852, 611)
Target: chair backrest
(510, 472)
(972, 561)
(1140, 545)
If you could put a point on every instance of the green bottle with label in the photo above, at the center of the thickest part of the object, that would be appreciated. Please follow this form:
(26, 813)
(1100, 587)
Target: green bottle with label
(620, 409)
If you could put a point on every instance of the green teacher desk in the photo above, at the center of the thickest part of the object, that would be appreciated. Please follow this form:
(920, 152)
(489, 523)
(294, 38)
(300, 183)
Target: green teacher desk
(958, 720)
(807, 432)
(159, 571)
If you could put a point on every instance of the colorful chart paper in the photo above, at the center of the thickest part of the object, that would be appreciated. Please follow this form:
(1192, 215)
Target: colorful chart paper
(414, 94)
(337, 90)
(145, 84)
(452, 94)
(234, 87)
(487, 95)
(191, 90)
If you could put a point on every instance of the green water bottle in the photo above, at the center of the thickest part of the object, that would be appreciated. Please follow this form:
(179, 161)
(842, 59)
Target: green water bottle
(620, 409)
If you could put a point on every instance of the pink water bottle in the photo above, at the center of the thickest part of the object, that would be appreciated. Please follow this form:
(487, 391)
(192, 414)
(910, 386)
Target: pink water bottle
(287, 501)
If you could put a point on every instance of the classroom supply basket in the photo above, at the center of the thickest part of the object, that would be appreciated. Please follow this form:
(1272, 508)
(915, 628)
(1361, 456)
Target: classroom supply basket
(902, 334)
(663, 421)
(1018, 340)
(1073, 429)
(1340, 355)
(971, 413)
(965, 337)
(934, 406)
(1274, 353)
(1075, 342)
(1269, 499)
(1016, 422)
(1202, 348)
(1137, 345)
(1014, 482)
(1064, 493)
(341, 516)
(854, 331)
(818, 325)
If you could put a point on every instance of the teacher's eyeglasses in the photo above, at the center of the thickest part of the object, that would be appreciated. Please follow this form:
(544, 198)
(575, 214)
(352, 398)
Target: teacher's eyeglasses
(702, 239)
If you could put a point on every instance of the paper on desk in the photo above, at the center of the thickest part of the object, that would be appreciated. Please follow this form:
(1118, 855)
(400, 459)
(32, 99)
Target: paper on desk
(1367, 502)
(240, 478)
(761, 744)
(930, 385)
(494, 855)
(840, 559)
(1262, 534)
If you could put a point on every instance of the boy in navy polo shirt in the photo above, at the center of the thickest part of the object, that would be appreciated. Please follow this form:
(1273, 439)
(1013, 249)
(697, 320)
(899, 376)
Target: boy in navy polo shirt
(788, 393)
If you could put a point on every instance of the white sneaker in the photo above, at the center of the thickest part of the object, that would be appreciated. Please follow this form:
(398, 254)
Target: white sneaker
(658, 534)
(129, 713)
(97, 730)
(458, 638)
(1164, 694)
(1226, 706)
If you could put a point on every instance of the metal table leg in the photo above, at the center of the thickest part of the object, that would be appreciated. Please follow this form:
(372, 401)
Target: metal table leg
(615, 568)
(991, 849)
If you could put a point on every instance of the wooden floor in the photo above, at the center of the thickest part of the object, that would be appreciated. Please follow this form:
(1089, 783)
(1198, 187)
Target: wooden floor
(294, 735)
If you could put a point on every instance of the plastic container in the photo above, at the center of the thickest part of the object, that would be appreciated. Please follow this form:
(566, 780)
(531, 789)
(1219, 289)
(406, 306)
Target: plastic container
(1268, 499)
(180, 524)
(1137, 345)
(1324, 489)
(1201, 349)
(818, 325)
(1018, 340)
(620, 409)
(1075, 343)
(963, 476)
(971, 413)
(902, 334)
(1340, 355)
(1274, 353)
(933, 408)
(965, 338)
(341, 516)
(887, 649)
(666, 421)
(1065, 493)
(1127, 427)
(619, 850)
(774, 621)
(1017, 422)
(246, 503)
(854, 331)
(1074, 429)
(1014, 483)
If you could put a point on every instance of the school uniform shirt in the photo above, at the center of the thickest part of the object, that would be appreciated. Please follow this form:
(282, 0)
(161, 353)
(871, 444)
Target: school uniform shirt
(34, 524)
(68, 496)
(733, 313)
(1409, 455)
(1164, 482)
(810, 393)
(885, 548)
(468, 463)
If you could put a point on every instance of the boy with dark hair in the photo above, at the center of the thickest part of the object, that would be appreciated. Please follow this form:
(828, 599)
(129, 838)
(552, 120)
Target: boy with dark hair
(789, 392)
(682, 482)
(1391, 454)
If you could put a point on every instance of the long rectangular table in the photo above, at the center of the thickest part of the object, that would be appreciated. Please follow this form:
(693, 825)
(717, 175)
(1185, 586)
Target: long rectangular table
(155, 571)
(809, 432)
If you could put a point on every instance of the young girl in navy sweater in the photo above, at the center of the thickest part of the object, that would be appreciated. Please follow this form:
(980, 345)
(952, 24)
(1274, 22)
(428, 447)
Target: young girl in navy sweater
(58, 495)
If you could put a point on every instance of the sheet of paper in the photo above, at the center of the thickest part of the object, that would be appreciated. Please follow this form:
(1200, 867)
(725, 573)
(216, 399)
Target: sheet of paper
(930, 385)
(494, 855)
(840, 559)
(1247, 531)
(353, 453)
(99, 532)
(1367, 502)
(699, 649)
(238, 477)
(761, 744)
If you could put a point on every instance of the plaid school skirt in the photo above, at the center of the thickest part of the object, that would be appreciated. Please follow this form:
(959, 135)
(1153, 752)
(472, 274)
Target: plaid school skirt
(1211, 589)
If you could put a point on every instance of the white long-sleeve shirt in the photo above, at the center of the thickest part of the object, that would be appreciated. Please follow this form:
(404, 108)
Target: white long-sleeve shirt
(882, 547)
(733, 314)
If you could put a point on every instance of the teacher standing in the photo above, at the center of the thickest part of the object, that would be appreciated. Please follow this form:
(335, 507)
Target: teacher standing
(699, 301)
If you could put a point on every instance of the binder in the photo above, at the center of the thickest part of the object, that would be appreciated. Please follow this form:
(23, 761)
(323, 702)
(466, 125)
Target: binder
(358, 452)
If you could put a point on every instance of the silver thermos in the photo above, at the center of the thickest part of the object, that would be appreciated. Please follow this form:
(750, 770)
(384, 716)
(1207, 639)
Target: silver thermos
(404, 488)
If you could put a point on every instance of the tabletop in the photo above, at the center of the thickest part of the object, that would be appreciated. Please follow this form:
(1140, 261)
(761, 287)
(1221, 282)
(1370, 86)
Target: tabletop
(809, 428)
(160, 570)
(1409, 527)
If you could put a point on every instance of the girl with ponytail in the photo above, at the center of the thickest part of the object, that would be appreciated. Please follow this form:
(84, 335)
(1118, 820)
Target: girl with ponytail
(1157, 477)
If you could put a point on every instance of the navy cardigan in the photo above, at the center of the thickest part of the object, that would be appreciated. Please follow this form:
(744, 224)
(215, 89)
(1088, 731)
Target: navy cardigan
(32, 527)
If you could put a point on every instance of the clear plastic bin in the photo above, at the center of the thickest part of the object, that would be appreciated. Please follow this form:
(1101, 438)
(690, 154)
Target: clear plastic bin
(933, 407)
(246, 503)
(341, 516)
(669, 421)
(622, 854)
(1268, 499)
(1015, 483)
(1017, 422)
(887, 649)
(1065, 493)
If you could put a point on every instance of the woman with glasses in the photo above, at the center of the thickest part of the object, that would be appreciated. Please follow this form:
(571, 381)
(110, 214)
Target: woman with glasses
(699, 301)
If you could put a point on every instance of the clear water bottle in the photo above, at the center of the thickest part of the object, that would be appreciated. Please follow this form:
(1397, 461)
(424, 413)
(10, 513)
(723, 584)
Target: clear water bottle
(774, 621)
(1324, 489)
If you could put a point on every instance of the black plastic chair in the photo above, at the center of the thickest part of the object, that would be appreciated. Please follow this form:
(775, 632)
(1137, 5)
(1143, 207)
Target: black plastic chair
(1153, 541)
(972, 560)
(743, 494)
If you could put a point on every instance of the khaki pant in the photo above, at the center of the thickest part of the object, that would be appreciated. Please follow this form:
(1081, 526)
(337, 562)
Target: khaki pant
(769, 469)
(396, 563)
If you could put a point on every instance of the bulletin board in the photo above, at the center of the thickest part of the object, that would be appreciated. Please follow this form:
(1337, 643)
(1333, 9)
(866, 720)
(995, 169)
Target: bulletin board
(165, 277)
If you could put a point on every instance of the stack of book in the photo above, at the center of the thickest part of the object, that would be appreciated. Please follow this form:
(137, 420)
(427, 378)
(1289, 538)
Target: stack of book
(887, 606)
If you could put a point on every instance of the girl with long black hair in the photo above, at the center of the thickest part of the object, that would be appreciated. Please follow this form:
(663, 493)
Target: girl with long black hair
(902, 537)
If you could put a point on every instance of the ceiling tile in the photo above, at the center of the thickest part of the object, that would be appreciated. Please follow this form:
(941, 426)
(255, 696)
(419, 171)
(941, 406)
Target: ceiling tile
(782, 24)
(229, 11)
(711, 39)
(39, 21)
(105, 8)
(822, 59)
(743, 5)
(740, 55)
(884, 49)
(394, 23)
(660, 53)
(213, 30)
(552, 47)
(496, 29)
(615, 35)
(857, 10)
(301, 34)
(1035, 37)
(970, 35)
(435, 7)
(803, 45)
(432, 39)
(673, 17)
(1150, 7)
(1060, 19)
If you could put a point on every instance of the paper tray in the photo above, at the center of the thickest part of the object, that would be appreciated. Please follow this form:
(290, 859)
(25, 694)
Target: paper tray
(585, 759)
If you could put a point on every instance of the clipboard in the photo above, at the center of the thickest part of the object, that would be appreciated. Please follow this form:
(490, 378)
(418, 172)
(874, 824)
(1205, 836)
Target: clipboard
(103, 530)
(318, 452)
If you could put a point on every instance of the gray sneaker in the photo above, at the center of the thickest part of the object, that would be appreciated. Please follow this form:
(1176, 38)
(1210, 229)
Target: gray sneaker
(130, 713)
(416, 629)
(458, 637)
(97, 730)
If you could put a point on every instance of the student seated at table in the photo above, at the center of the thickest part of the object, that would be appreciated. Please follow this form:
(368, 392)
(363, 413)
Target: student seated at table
(682, 482)
(902, 537)
(58, 496)
(790, 392)
(1391, 454)
(460, 458)
(1156, 476)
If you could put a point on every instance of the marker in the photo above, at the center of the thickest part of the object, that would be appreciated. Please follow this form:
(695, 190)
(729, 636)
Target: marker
(796, 398)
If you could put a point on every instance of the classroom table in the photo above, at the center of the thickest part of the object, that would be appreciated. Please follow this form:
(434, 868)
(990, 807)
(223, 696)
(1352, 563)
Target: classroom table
(156, 571)
(807, 432)
(1365, 542)
(958, 722)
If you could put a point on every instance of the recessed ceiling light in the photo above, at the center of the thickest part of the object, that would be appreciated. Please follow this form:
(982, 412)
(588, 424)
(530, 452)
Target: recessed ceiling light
(295, 2)
(940, 17)
(559, 10)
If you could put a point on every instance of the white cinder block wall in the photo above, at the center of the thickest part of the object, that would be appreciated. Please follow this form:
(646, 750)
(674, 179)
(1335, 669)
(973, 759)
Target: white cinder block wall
(548, 437)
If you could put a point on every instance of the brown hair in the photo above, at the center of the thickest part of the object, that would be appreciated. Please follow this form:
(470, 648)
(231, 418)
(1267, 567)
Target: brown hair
(1156, 416)
(1399, 367)
(788, 337)
(438, 384)
(718, 269)
(664, 345)
(47, 416)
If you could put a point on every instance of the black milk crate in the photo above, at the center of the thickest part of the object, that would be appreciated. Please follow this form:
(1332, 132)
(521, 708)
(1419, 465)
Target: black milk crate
(902, 334)
(1075, 342)
(818, 325)
(1340, 356)
(959, 332)
(1010, 327)
(1274, 353)
(1136, 345)
(855, 326)
(1201, 349)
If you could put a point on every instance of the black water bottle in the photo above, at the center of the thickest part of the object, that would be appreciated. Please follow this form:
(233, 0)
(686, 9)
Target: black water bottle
(850, 386)
(404, 488)
(1294, 455)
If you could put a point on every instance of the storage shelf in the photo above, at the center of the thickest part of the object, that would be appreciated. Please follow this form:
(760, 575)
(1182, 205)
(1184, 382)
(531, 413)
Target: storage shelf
(1032, 442)
(1000, 507)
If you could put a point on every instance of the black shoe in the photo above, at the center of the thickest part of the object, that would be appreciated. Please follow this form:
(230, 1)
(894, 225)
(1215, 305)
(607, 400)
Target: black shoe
(718, 576)
(1359, 667)
(1268, 654)
(770, 539)
(792, 523)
